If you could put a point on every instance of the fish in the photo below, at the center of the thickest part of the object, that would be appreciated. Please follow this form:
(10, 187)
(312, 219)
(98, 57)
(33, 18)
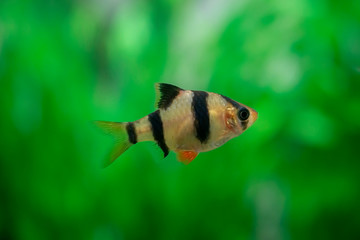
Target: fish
(186, 121)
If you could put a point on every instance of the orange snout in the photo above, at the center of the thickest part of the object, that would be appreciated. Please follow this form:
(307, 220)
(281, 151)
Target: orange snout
(253, 115)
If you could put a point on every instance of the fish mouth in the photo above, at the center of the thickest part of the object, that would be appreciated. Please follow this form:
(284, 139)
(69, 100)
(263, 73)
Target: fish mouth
(254, 115)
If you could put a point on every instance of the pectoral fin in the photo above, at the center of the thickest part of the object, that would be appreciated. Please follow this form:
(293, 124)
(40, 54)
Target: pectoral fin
(186, 156)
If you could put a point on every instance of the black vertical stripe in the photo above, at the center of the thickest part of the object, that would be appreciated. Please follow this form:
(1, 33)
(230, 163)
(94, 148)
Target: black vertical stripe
(130, 128)
(158, 131)
(201, 115)
(232, 102)
(244, 125)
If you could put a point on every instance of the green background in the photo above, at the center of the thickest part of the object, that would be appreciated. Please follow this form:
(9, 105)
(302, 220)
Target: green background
(293, 175)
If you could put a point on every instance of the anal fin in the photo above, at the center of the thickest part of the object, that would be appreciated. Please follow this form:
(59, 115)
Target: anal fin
(186, 156)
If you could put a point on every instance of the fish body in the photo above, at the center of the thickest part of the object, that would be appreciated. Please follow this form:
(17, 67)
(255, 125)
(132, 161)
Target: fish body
(187, 122)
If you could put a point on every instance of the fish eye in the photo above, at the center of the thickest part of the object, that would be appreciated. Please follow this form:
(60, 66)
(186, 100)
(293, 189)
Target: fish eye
(243, 114)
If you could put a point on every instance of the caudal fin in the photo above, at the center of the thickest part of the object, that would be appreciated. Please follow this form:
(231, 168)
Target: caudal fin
(118, 131)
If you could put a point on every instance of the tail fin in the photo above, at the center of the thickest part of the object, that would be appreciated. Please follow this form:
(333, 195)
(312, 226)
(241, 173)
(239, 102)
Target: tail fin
(118, 131)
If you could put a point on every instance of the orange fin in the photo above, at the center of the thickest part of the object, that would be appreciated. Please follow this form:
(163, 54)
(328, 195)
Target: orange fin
(186, 156)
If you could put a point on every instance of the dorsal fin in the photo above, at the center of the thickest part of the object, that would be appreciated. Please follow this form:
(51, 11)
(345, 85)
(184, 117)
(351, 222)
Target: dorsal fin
(165, 94)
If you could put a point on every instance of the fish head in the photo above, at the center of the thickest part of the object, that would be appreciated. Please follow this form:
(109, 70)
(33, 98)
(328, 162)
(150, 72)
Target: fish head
(246, 116)
(239, 117)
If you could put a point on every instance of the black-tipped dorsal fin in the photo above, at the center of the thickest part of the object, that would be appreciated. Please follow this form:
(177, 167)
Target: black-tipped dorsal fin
(165, 94)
